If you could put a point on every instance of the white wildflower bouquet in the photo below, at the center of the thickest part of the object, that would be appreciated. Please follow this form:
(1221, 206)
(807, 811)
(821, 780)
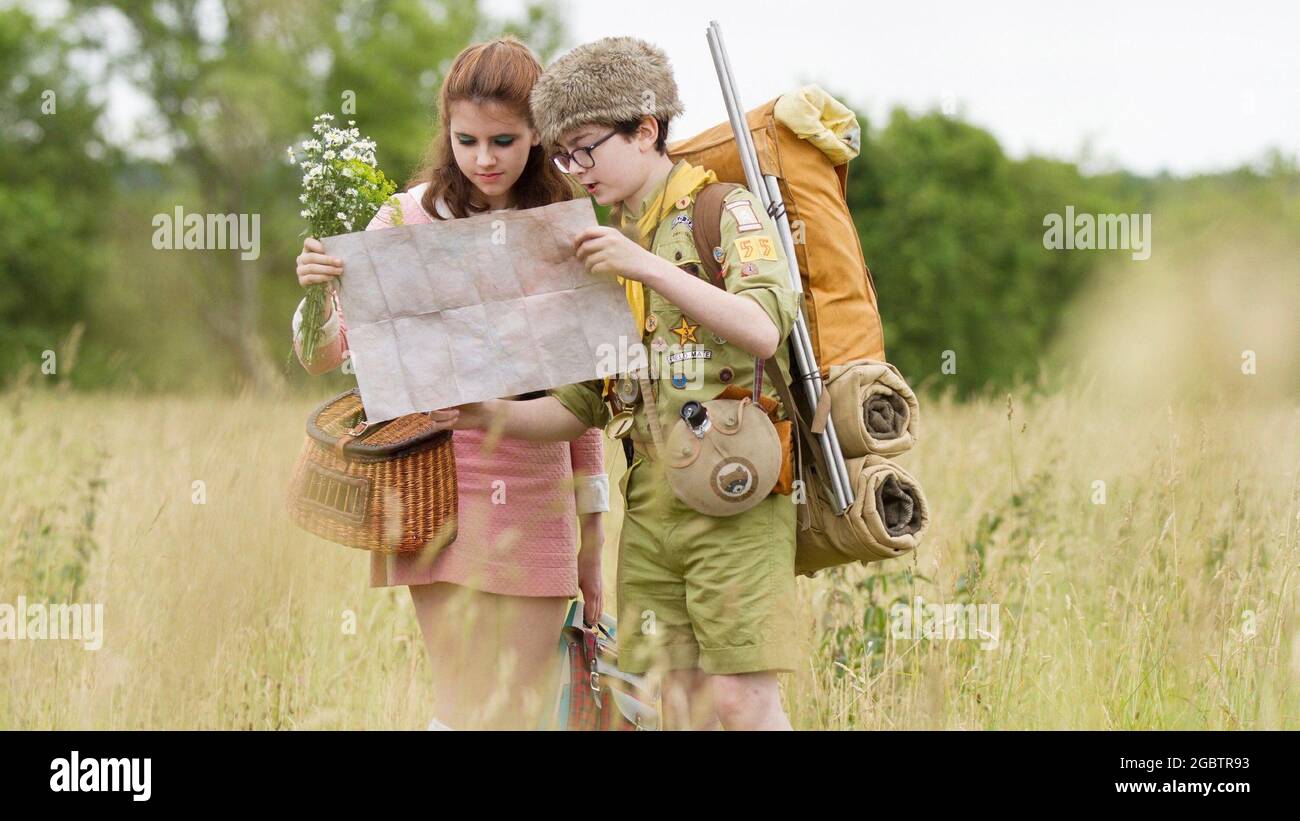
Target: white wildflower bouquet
(342, 190)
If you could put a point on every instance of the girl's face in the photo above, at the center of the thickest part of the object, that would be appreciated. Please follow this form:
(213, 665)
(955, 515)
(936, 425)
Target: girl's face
(491, 145)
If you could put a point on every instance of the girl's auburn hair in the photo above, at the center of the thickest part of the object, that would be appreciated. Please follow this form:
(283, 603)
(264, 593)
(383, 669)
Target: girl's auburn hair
(502, 70)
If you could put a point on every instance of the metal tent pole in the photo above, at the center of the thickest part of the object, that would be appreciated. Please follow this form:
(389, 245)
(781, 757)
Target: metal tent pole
(767, 189)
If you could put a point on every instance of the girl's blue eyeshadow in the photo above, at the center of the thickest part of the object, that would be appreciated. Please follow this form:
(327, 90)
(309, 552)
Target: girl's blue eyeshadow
(503, 141)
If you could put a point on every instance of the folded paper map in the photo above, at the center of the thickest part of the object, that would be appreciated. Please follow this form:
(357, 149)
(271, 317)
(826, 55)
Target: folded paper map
(478, 308)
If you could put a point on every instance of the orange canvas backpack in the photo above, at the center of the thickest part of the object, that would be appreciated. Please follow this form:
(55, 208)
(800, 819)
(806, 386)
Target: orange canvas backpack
(839, 294)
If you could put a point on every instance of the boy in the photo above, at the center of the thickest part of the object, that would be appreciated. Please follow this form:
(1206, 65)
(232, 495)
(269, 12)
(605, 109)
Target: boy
(709, 601)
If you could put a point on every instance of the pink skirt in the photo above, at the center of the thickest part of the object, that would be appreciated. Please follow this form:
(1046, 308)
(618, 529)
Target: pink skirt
(517, 529)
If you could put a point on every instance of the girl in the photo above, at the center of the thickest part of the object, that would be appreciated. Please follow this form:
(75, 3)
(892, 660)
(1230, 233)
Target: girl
(490, 605)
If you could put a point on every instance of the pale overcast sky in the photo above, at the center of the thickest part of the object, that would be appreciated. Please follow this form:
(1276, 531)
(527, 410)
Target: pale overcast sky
(1182, 86)
(1147, 85)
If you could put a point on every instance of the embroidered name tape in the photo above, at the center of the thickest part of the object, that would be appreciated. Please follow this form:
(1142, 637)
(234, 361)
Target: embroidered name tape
(698, 353)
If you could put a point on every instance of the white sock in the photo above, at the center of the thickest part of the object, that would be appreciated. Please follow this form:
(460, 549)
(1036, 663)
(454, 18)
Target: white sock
(435, 724)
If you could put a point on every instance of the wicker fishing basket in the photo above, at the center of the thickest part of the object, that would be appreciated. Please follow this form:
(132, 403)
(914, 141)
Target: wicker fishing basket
(388, 486)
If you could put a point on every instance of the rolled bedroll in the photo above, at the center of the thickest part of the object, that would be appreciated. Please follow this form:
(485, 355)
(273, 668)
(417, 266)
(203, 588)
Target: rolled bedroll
(874, 409)
(888, 519)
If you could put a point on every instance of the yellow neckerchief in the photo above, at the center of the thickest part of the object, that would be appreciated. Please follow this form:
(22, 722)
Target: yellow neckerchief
(683, 181)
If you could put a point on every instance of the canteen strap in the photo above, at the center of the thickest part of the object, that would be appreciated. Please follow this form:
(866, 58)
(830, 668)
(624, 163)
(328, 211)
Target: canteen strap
(651, 413)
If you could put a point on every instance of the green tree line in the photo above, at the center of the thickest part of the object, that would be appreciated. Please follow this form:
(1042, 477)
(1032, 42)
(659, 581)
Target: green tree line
(952, 227)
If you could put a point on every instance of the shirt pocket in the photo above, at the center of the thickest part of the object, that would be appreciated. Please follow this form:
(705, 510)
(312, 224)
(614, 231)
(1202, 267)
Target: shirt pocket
(679, 249)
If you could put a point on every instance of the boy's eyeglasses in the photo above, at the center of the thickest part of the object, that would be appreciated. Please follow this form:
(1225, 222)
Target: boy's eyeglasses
(569, 163)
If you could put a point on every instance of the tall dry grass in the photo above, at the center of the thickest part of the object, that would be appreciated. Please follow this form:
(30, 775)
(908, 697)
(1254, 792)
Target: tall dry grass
(1170, 605)
(1131, 613)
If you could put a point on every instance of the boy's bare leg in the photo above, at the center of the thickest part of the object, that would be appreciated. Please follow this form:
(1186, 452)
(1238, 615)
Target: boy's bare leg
(687, 700)
(749, 701)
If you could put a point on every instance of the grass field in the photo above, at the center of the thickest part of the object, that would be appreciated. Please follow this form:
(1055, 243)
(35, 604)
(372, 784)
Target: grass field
(1170, 605)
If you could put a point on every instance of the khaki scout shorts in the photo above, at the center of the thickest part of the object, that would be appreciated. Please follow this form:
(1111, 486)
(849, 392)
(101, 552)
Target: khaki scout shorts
(716, 593)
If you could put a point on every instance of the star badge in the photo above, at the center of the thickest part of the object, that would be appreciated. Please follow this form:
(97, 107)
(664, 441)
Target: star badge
(686, 332)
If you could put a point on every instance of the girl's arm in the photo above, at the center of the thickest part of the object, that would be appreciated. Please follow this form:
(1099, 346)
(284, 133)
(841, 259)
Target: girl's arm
(332, 348)
(590, 482)
(591, 489)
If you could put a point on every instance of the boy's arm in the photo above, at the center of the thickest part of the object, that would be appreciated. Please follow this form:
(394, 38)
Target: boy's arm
(739, 319)
(758, 298)
(754, 262)
(536, 420)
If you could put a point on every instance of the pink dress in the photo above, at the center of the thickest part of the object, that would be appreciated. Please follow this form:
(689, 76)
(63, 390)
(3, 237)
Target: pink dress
(518, 502)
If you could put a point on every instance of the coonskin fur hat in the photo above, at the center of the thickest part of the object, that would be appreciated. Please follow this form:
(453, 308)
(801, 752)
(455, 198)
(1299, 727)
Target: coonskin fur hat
(609, 81)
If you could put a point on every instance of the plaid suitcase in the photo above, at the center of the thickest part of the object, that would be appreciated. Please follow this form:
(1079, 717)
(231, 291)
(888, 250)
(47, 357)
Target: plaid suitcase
(594, 694)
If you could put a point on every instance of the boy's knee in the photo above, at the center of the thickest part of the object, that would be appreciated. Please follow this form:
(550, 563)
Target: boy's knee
(742, 699)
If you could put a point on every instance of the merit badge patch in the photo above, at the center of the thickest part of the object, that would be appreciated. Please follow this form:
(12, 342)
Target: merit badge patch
(734, 479)
(743, 212)
(686, 331)
(749, 249)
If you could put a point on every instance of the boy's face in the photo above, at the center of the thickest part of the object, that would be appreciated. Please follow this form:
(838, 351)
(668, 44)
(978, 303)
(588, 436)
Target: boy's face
(621, 164)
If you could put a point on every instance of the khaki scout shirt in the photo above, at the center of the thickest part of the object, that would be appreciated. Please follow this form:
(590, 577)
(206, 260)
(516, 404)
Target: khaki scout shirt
(687, 360)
